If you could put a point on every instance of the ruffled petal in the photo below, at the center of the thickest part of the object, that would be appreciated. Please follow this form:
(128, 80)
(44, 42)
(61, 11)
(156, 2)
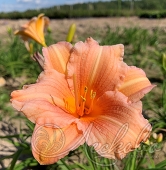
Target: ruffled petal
(57, 56)
(51, 87)
(51, 143)
(40, 26)
(135, 84)
(100, 68)
(118, 126)
(29, 29)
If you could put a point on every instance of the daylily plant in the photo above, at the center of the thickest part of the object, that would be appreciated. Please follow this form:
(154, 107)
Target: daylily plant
(34, 29)
(86, 93)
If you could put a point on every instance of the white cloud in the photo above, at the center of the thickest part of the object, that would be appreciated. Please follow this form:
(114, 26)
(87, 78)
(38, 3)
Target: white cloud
(37, 1)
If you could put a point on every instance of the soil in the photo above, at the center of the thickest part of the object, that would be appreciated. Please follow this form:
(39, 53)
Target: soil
(86, 26)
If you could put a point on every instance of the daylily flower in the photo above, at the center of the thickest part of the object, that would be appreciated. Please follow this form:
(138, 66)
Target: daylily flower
(34, 29)
(86, 93)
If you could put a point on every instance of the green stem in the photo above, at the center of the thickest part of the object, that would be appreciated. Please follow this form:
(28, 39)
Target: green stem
(151, 160)
(164, 95)
(15, 158)
(141, 160)
(133, 160)
(88, 154)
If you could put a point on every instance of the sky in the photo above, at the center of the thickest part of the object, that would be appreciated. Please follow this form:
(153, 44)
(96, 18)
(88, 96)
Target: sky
(22, 5)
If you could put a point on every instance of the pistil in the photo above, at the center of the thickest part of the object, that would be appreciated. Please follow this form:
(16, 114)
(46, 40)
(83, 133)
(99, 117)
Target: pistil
(83, 100)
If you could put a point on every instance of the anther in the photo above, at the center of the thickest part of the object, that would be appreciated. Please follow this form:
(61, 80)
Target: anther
(86, 89)
(93, 95)
(83, 99)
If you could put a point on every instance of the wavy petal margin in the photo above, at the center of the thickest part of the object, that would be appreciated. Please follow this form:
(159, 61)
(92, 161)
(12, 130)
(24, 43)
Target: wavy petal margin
(119, 127)
(100, 68)
(135, 84)
(49, 93)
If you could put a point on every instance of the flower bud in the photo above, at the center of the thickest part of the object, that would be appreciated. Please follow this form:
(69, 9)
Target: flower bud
(160, 137)
(164, 61)
(147, 142)
(71, 33)
(2, 81)
(154, 135)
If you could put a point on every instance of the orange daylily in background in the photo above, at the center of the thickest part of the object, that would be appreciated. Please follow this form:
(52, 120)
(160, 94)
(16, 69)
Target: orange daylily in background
(34, 29)
(86, 93)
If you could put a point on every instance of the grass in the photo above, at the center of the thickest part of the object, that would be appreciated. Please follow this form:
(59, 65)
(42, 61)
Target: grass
(143, 48)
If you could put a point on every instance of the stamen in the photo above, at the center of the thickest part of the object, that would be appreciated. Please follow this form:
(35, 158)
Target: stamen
(93, 95)
(85, 90)
(81, 111)
(84, 99)
(66, 108)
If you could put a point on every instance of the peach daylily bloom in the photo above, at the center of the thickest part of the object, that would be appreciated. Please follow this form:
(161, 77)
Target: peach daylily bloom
(34, 29)
(86, 93)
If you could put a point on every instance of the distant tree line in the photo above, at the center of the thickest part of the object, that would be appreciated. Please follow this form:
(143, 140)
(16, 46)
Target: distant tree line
(141, 8)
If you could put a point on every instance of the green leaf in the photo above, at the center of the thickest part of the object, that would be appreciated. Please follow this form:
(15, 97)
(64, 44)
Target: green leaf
(15, 158)
(161, 164)
(82, 166)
